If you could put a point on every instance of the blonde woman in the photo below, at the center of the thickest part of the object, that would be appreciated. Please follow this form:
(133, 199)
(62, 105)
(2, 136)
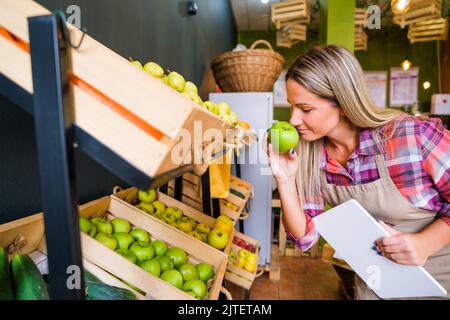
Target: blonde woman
(394, 165)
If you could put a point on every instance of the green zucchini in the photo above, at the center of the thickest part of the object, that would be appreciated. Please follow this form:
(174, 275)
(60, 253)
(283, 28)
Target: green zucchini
(102, 291)
(6, 289)
(28, 282)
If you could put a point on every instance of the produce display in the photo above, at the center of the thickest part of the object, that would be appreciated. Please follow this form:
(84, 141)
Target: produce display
(170, 264)
(189, 90)
(217, 236)
(243, 255)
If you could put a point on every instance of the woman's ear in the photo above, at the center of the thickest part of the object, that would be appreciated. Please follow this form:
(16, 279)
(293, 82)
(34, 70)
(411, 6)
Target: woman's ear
(341, 111)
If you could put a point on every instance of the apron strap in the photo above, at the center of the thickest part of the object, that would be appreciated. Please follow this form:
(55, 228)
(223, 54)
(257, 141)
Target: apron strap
(381, 166)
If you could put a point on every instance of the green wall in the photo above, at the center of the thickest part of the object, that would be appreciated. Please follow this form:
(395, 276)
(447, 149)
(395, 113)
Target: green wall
(387, 48)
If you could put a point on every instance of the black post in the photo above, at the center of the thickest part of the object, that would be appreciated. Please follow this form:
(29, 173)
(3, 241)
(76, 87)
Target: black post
(53, 118)
(216, 207)
(164, 188)
(178, 192)
(238, 174)
(206, 193)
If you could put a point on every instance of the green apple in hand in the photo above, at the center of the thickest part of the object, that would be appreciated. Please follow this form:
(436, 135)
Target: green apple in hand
(188, 271)
(124, 240)
(103, 225)
(176, 81)
(205, 271)
(218, 238)
(160, 247)
(159, 207)
(120, 225)
(143, 250)
(147, 196)
(151, 266)
(173, 277)
(106, 240)
(128, 254)
(140, 235)
(147, 207)
(283, 137)
(85, 225)
(165, 262)
(177, 255)
(154, 69)
(196, 286)
(177, 212)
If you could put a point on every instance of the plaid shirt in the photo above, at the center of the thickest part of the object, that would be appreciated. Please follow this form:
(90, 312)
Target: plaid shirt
(417, 156)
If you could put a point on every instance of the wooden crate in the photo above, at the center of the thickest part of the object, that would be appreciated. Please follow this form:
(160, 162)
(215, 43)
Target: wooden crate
(27, 236)
(128, 198)
(232, 206)
(297, 32)
(421, 10)
(133, 114)
(431, 30)
(361, 17)
(285, 23)
(283, 39)
(284, 13)
(237, 275)
(360, 39)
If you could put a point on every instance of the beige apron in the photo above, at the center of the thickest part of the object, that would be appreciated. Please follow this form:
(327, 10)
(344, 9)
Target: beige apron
(384, 202)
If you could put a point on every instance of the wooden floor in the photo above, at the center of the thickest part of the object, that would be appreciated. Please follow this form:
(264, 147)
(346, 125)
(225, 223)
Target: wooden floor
(301, 279)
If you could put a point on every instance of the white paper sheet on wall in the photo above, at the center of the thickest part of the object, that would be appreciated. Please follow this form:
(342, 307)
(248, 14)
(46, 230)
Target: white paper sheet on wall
(404, 86)
(376, 82)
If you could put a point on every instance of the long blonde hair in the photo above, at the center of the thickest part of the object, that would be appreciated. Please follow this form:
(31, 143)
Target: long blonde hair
(333, 73)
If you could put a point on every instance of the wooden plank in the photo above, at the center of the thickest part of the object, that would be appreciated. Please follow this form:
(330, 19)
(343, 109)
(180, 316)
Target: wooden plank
(275, 270)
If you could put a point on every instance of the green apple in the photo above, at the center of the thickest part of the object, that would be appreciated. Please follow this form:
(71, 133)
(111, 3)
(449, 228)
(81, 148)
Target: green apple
(225, 219)
(243, 253)
(193, 97)
(176, 81)
(143, 250)
(232, 256)
(103, 225)
(151, 266)
(185, 225)
(234, 117)
(147, 196)
(106, 240)
(218, 238)
(204, 228)
(197, 286)
(124, 240)
(212, 107)
(93, 230)
(205, 271)
(163, 79)
(283, 137)
(177, 255)
(140, 235)
(154, 69)
(188, 271)
(173, 277)
(120, 225)
(159, 207)
(128, 254)
(224, 108)
(137, 64)
(226, 118)
(160, 247)
(169, 218)
(193, 222)
(177, 212)
(147, 207)
(165, 262)
(190, 87)
(85, 225)
(198, 235)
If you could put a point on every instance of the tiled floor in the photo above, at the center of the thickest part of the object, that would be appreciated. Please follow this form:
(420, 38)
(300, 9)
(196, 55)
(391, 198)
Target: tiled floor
(301, 279)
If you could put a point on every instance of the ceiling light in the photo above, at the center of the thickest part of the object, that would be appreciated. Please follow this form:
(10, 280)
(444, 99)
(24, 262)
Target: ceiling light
(406, 65)
(400, 6)
(264, 1)
(426, 85)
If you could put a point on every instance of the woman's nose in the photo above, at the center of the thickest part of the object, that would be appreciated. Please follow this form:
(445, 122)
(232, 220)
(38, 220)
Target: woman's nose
(296, 118)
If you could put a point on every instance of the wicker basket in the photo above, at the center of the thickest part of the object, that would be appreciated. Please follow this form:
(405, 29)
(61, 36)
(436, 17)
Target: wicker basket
(248, 70)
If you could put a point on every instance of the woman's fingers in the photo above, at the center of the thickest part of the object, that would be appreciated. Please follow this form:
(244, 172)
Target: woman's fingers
(270, 150)
(292, 154)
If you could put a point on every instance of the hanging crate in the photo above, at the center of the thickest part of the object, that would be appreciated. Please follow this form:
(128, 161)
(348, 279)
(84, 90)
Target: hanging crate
(287, 11)
(283, 39)
(291, 35)
(421, 10)
(360, 40)
(431, 30)
(232, 206)
(128, 198)
(360, 17)
(285, 23)
(122, 108)
(236, 274)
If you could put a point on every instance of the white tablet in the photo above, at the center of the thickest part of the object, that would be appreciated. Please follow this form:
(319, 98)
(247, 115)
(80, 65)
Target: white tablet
(352, 231)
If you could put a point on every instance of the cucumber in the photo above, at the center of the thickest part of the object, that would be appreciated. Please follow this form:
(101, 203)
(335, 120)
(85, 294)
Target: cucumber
(237, 193)
(6, 289)
(28, 282)
(89, 278)
(101, 291)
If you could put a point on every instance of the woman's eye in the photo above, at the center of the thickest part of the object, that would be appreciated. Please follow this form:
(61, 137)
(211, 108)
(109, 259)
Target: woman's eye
(306, 111)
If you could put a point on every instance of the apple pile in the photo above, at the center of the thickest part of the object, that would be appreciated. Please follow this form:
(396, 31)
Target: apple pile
(230, 205)
(244, 244)
(154, 256)
(189, 90)
(243, 259)
(217, 237)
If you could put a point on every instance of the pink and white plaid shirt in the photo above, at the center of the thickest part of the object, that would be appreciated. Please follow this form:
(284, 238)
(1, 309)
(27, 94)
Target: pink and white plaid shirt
(418, 160)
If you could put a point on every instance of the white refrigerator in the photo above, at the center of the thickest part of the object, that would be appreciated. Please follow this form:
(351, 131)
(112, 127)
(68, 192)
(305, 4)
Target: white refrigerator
(257, 109)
